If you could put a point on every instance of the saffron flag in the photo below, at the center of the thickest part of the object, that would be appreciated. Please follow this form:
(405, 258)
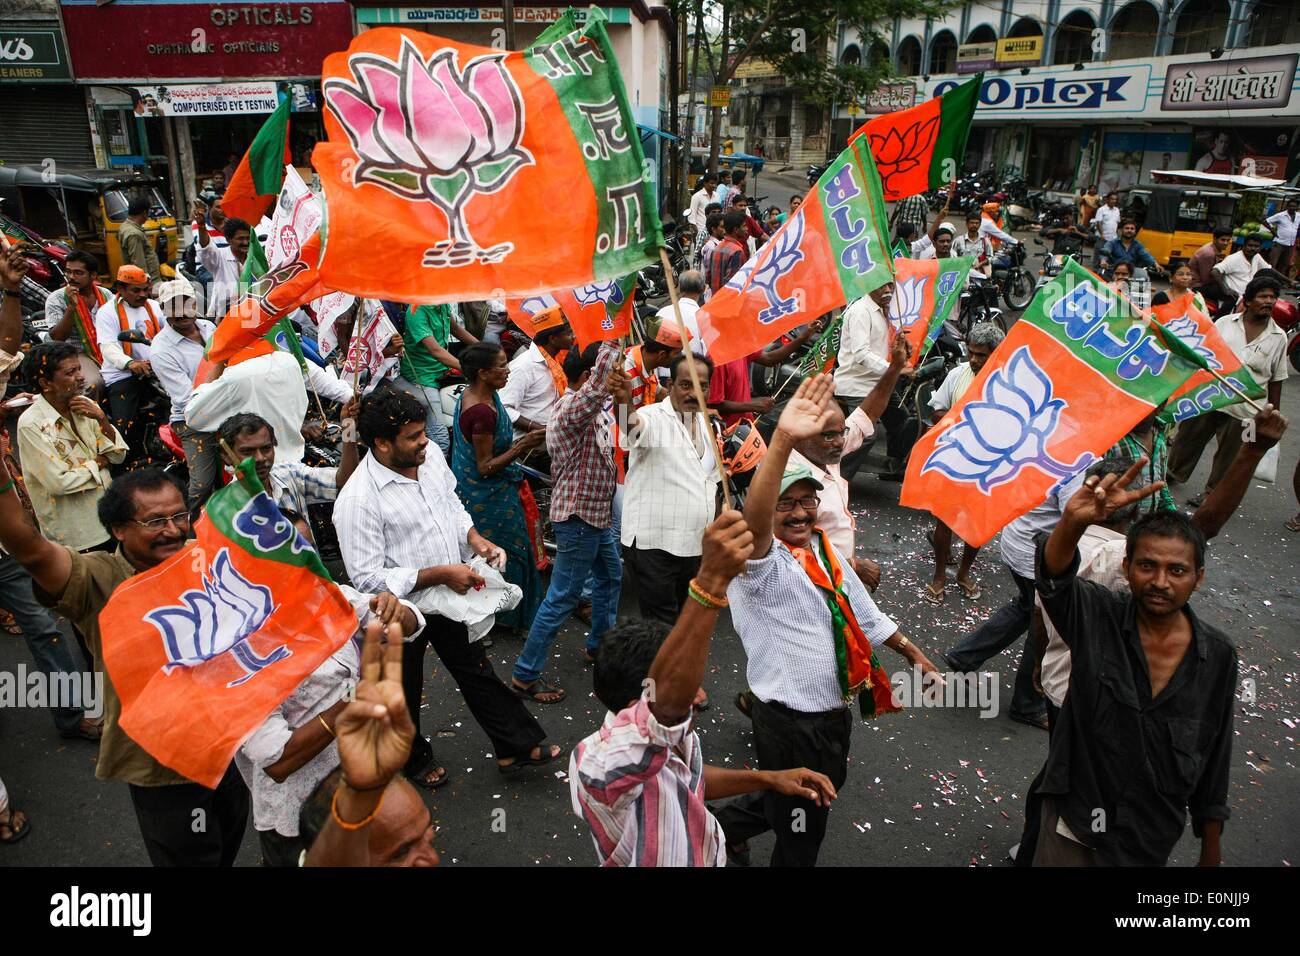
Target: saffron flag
(923, 147)
(925, 291)
(453, 159)
(260, 173)
(833, 250)
(599, 310)
(204, 646)
(534, 313)
(1072, 377)
(1203, 392)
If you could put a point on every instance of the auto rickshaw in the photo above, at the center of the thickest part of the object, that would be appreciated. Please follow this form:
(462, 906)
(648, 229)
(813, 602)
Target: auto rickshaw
(753, 165)
(1175, 221)
(85, 207)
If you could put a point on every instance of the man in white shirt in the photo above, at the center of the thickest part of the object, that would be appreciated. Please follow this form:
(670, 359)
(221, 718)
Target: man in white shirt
(225, 263)
(531, 391)
(690, 289)
(701, 198)
(1261, 345)
(402, 529)
(671, 491)
(176, 353)
(268, 385)
(862, 360)
(125, 363)
(801, 664)
(1235, 271)
(1284, 226)
(1107, 222)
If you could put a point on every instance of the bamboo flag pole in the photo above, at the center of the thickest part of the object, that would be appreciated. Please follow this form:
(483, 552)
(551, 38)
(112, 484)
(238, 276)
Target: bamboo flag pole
(695, 375)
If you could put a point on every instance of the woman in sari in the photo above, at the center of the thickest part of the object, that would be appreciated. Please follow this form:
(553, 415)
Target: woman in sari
(485, 461)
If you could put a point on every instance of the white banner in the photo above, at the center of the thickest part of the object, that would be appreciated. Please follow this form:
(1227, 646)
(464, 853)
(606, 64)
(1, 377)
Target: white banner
(295, 218)
(328, 308)
(366, 351)
(216, 99)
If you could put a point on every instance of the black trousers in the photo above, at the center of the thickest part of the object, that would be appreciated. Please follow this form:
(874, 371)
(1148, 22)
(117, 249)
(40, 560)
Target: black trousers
(1034, 800)
(189, 825)
(901, 430)
(785, 739)
(502, 715)
(124, 412)
(279, 850)
(661, 581)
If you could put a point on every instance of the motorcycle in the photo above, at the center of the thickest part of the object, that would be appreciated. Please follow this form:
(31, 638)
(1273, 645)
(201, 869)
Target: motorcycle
(815, 172)
(979, 303)
(1012, 279)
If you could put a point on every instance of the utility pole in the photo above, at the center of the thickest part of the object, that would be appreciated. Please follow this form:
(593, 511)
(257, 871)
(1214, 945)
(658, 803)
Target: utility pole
(508, 14)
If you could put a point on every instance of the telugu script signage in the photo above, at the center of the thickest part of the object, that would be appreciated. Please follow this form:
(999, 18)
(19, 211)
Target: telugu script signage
(143, 39)
(218, 99)
(889, 97)
(374, 16)
(1255, 83)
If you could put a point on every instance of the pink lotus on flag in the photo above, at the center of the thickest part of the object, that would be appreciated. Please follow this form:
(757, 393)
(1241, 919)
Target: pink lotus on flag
(432, 131)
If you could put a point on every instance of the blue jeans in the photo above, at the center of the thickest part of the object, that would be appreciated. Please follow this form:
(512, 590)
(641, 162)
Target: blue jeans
(616, 527)
(46, 642)
(427, 395)
(581, 549)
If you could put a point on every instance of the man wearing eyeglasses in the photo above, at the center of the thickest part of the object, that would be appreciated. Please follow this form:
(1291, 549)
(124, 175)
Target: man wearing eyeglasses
(144, 513)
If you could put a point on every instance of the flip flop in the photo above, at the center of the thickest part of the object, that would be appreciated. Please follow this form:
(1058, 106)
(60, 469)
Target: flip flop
(970, 589)
(538, 686)
(528, 760)
(1293, 524)
(931, 595)
(15, 833)
(422, 781)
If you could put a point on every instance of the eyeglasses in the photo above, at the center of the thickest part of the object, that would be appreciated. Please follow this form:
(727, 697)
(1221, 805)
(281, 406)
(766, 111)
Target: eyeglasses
(811, 503)
(180, 519)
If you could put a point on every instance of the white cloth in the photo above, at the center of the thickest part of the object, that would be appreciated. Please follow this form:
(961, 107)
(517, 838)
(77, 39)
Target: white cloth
(864, 349)
(1265, 357)
(270, 386)
(923, 248)
(391, 527)
(175, 360)
(785, 624)
(1018, 537)
(225, 270)
(1235, 272)
(529, 391)
(690, 309)
(1101, 560)
(671, 486)
(1107, 222)
(477, 610)
(833, 515)
(107, 327)
(1283, 225)
(695, 216)
(276, 805)
(990, 228)
(953, 387)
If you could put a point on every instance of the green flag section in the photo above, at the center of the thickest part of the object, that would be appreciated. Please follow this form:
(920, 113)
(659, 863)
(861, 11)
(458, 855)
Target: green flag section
(260, 173)
(923, 147)
(1072, 377)
(925, 292)
(455, 172)
(1204, 391)
(833, 250)
(202, 648)
(821, 355)
(282, 334)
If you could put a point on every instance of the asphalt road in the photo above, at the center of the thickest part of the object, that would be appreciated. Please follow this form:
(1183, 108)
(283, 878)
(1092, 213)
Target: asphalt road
(927, 787)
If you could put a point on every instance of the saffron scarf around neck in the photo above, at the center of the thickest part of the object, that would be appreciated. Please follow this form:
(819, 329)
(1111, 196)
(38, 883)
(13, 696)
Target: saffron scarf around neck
(555, 365)
(856, 665)
(85, 321)
(151, 325)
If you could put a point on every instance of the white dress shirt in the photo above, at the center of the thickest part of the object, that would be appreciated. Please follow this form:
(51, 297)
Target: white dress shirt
(785, 624)
(953, 388)
(671, 484)
(699, 201)
(923, 248)
(1283, 225)
(530, 390)
(107, 327)
(990, 228)
(1235, 272)
(1018, 537)
(175, 360)
(833, 515)
(690, 308)
(226, 270)
(1265, 357)
(864, 349)
(1107, 220)
(391, 527)
(1101, 560)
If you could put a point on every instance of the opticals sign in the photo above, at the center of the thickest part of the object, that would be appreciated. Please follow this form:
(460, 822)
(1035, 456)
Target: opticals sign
(1255, 83)
(1066, 94)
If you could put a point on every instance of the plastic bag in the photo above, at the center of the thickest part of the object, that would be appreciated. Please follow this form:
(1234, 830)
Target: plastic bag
(477, 610)
(1266, 470)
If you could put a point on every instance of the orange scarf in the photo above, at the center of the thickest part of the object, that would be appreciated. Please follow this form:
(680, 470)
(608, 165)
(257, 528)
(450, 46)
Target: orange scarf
(856, 663)
(151, 325)
(86, 321)
(555, 365)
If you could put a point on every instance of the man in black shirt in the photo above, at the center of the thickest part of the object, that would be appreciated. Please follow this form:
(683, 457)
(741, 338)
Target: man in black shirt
(1146, 730)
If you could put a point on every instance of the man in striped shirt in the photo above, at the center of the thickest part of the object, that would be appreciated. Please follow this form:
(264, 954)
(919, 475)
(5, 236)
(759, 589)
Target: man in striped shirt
(640, 781)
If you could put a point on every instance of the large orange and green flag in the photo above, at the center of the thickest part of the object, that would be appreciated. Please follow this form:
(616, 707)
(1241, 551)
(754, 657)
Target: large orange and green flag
(923, 147)
(204, 646)
(1072, 377)
(1204, 391)
(599, 310)
(834, 250)
(446, 164)
(260, 173)
(925, 291)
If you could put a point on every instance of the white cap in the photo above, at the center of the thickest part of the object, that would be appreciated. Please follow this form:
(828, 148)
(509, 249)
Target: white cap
(174, 289)
(948, 228)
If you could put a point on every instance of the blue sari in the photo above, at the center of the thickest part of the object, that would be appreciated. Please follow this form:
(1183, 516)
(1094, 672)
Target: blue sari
(498, 514)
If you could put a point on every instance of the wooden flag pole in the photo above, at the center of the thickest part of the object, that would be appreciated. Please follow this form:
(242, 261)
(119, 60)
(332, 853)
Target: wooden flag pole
(695, 375)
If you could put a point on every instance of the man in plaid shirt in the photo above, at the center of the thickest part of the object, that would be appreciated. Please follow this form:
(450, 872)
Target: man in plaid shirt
(912, 209)
(578, 439)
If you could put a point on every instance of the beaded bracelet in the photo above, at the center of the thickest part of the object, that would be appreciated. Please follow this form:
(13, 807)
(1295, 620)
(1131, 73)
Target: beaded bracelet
(360, 824)
(710, 601)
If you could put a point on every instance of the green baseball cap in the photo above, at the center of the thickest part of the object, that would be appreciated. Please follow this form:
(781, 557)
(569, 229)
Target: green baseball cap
(795, 474)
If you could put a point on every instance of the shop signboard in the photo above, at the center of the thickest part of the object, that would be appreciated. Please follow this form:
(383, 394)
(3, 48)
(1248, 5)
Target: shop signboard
(1253, 83)
(33, 53)
(487, 14)
(973, 57)
(221, 99)
(1061, 94)
(144, 40)
(1019, 51)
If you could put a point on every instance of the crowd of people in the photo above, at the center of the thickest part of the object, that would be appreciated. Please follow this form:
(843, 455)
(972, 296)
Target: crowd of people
(631, 439)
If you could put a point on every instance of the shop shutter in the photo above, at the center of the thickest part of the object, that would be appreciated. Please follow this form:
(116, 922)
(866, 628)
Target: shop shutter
(39, 122)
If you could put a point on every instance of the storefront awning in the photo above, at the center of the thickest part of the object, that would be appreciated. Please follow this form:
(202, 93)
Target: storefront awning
(1222, 180)
(651, 131)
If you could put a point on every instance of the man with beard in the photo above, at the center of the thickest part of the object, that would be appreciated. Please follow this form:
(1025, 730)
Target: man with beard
(145, 512)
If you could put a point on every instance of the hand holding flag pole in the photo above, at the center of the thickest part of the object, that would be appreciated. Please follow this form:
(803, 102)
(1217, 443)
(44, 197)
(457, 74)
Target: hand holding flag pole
(695, 375)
